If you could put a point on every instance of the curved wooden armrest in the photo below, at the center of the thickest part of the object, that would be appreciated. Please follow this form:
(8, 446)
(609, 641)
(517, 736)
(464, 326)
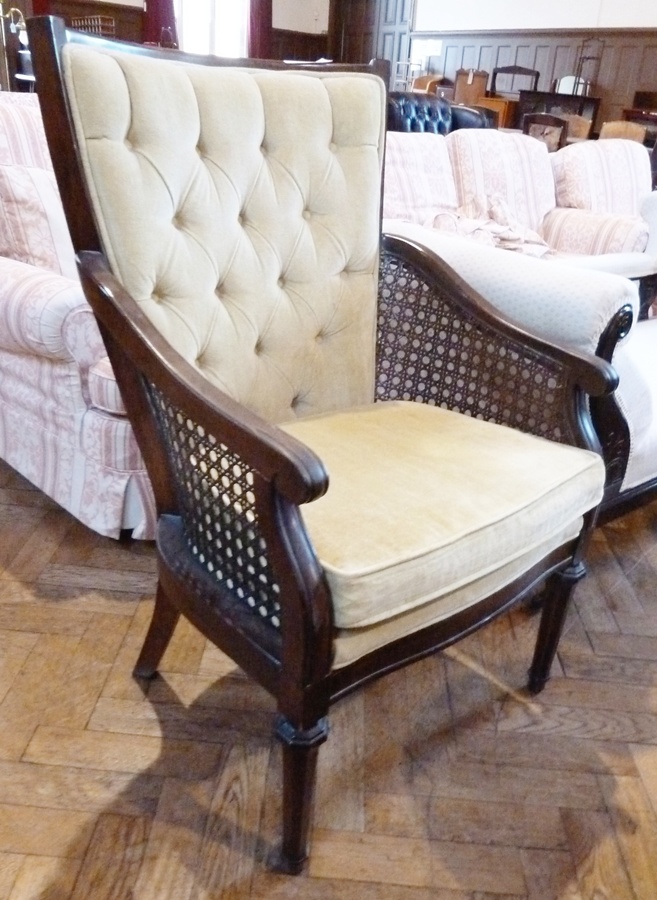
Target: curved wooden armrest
(441, 342)
(233, 484)
(297, 472)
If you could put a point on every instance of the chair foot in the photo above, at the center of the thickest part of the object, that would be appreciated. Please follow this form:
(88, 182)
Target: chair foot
(555, 606)
(163, 623)
(300, 749)
(280, 863)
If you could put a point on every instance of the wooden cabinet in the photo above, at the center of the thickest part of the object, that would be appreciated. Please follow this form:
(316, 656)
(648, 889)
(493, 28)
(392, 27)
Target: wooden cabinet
(506, 109)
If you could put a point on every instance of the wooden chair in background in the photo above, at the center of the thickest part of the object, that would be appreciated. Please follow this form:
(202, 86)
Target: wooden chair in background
(579, 127)
(630, 131)
(509, 75)
(552, 130)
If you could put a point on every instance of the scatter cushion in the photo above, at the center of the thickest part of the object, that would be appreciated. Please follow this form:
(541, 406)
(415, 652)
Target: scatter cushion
(418, 179)
(423, 501)
(610, 176)
(22, 138)
(33, 228)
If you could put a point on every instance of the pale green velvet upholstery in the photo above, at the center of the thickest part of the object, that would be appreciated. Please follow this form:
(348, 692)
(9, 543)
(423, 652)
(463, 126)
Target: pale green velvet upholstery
(257, 259)
(503, 495)
(255, 237)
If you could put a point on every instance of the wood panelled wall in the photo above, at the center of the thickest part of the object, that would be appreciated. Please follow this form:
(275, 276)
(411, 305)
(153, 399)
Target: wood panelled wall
(622, 61)
(627, 57)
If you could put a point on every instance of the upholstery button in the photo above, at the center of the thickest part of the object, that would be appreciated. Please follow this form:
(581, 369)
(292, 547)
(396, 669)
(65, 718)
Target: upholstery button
(281, 282)
(307, 214)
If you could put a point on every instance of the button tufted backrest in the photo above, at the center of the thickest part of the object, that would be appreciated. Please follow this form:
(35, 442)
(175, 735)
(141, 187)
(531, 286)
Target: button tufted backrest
(240, 208)
(415, 111)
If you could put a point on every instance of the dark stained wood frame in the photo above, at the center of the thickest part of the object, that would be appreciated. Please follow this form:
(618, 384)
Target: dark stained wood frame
(295, 665)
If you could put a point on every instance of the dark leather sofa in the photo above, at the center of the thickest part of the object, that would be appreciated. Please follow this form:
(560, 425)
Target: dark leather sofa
(414, 111)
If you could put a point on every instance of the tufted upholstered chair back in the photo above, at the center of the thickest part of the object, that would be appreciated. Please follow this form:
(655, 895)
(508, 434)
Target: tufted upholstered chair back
(254, 253)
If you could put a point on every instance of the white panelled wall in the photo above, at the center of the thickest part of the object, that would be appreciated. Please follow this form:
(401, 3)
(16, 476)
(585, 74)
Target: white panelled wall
(206, 26)
(482, 15)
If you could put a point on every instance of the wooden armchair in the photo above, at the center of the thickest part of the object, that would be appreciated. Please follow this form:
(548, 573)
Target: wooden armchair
(629, 131)
(230, 251)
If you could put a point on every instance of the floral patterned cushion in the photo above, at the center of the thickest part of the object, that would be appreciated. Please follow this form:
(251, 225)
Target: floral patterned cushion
(582, 231)
(610, 176)
(33, 229)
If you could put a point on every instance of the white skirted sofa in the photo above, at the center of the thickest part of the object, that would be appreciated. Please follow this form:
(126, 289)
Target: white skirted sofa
(62, 421)
(589, 312)
(590, 203)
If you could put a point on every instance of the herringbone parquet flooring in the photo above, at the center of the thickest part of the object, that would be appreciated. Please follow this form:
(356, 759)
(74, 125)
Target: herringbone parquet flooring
(445, 781)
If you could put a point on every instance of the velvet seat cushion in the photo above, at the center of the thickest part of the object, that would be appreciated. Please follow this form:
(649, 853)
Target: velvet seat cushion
(423, 502)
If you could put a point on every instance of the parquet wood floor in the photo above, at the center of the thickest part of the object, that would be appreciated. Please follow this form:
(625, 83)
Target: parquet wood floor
(445, 781)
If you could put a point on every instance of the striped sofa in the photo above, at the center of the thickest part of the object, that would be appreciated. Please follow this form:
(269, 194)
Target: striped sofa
(590, 203)
(62, 421)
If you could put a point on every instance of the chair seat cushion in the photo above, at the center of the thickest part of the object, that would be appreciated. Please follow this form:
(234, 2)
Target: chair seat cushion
(422, 501)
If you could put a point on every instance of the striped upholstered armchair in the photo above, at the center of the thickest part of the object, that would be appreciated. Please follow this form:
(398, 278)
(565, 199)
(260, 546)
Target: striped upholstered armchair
(63, 425)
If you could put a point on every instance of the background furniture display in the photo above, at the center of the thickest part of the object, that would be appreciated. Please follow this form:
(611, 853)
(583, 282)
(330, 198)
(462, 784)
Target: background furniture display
(644, 112)
(579, 127)
(208, 371)
(552, 130)
(558, 104)
(469, 86)
(432, 84)
(414, 111)
(590, 200)
(62, 421)
(507, 84)
(571, 84)
(505, 108)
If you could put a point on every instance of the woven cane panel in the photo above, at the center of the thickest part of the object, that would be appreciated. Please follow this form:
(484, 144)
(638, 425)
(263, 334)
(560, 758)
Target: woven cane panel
(218, 507)
(429, 350)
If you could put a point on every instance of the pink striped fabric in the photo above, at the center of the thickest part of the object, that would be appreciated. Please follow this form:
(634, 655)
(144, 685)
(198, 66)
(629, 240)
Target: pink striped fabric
(104, 392)
(592, 233)
(494, 168)
(32, 224)
(53, 365)
(418, 181)
(22, 138)
(611, 176)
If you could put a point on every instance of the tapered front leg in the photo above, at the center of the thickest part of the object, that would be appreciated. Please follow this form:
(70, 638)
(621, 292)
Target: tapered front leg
(160, 631)
(555, 606)
(300, 749)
